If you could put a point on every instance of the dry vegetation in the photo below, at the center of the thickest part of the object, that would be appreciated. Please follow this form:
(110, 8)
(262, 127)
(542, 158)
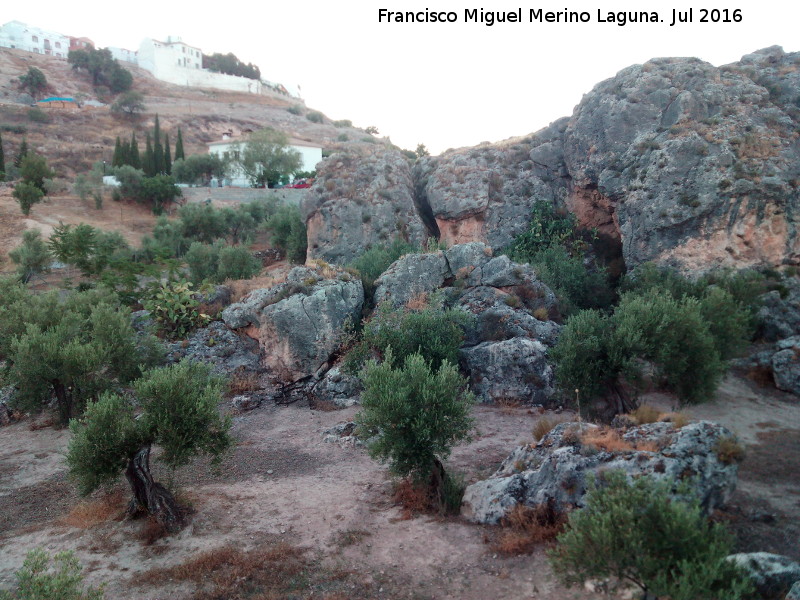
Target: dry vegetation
(525, 528)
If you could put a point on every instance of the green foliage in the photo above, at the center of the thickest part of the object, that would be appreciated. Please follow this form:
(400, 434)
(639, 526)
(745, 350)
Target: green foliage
(639, 533)
(129, 104)
(27, 195)
(202, 222)
(158, 191)
(179, 413)
(166, 241)
(199, 169)
(102, 67)
(34, 171)
(421, 151)
(203, 261)
(89, 249)
(554, 247)
(315, 116)
(174, 307)
(373, 262)
(230, 64)
(32, 256)
(417, 414)
(37, 115)
(2, 160)
(266, 158)
(288, 233)
(584, 357)
(236, 262)
(179, 152)
(434, 332)
(34, 82)
(295, 109)
(343, 123)
(38, 580)
(74, 346)
(372, 130)
(22, 152)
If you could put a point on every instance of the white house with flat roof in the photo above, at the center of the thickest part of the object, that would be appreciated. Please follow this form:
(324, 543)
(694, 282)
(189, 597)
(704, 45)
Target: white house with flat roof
(123, 54)
(228, 148)
(16, 34)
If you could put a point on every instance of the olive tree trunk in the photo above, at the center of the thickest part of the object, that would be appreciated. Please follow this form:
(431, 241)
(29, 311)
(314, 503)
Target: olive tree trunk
(150, 496)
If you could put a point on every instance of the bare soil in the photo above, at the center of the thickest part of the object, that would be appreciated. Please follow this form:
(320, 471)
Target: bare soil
(323, 515)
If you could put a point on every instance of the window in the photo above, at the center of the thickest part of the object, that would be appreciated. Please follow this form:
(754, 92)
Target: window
(58, 44)
(35, 38)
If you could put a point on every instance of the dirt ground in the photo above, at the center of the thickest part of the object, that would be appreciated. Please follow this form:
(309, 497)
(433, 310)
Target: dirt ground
(283, 483)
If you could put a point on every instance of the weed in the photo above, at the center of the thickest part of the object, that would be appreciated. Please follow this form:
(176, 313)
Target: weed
(88, 513)
(678, 419)
(729, 450)
(526, 527)
(645, 414)
(243, 382)
(350, 537)
(543, 427)
(604, 438)
(542, 314)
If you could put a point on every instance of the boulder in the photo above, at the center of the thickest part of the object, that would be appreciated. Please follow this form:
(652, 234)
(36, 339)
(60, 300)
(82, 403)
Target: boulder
(786, 365)
(794, 593)
(218, 346)
(340, 389)
(556, 468)
(780, 316)
(410, 276)
(298, 323)
(361, 197)
(772, 574)
(514, 371)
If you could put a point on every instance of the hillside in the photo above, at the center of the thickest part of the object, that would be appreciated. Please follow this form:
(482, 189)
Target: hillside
(74, 139)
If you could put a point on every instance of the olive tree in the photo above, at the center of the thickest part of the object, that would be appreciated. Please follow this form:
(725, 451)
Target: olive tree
(266, 158)
(178, 413)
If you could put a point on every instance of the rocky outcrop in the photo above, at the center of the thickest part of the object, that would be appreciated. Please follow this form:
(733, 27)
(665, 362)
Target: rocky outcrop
(780, 312)
(218, 346)
(505, 348)
(338, 388)
(298, 323)
(794, 593)
(556, 468)
(675, 160)
(772, 574)
(361, 197)
(786, 365)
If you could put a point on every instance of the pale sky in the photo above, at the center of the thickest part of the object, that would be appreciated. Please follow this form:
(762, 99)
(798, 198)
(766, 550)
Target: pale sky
(446, 85)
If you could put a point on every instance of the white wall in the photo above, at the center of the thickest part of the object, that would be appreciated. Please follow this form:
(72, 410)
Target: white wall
(123, 54)
(16, 34)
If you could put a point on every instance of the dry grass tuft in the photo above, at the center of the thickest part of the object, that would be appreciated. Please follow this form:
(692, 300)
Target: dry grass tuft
(227, 572)
(762, 376)
(729, 450)
(605, 438)
(349, 537)
(418, 302)
(152, 531)
(678, 419)
(645, 414)
(322, 405)
(526, 527)
(412, 499)
(542, 314)
(508, 406)
(85, 514)
(543, 427)
(242, 383)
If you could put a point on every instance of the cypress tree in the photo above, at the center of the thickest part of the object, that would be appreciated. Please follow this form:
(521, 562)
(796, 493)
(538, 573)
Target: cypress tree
(148, 165)
(23, 152)
(118, 159)
(167, 158)
(2, 160)
(135, 160)
(158, 150)
(179, 146)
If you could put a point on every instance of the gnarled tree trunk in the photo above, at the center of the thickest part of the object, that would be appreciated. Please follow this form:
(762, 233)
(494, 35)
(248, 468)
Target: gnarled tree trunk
(437, 484)
(150, 496)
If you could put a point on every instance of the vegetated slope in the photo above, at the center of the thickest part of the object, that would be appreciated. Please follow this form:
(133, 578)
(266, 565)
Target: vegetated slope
(674, 160)
(74, 139)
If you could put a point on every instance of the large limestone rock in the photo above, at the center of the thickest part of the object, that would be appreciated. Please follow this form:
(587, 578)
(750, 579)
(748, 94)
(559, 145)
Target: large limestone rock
(556, 468)
(780, 314)
(674, 161)
(361, 197)
(786, 365)
(505, 350)
(298, 323)
(772, 574)
(218, 346)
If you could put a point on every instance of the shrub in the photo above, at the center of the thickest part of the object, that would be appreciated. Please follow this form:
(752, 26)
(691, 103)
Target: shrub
(373, 262)
(433, 332)
(174, 307)
(296, 109)
(203, 261)
(168, 240)
(34, 171)
(179, 413)
(416, 415)
(314, 116)
(32, 256)
(639, 533)
(89, 249)
(36, 580)
(37, 115)
(236, 262)
(729, 450)
(27, 195)
(288, 233)
(343, 123)
(70, 347)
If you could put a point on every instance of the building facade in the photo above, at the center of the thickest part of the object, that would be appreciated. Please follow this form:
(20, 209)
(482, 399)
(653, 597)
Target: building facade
(16, 34)
(227, 148)
(123, 54)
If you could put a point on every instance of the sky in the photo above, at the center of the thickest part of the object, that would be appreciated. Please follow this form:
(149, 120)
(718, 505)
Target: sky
(446, 85)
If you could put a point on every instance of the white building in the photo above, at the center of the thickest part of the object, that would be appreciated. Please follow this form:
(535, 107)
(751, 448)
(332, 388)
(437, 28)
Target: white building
(123, 54)
(227, 148)
(16, 34)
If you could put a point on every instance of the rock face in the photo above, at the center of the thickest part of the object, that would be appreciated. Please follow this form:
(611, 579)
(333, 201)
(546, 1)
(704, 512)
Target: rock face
(217, 345)
(780, 317)
(298, 323)
(772, 574)
(505, 350)
(361, 197)
(338, 388)
(786, 365)
(556, 468)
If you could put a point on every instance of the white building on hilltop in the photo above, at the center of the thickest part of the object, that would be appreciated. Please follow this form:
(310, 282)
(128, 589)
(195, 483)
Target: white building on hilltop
(226, 148)
(16, 34)
(123, 54)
